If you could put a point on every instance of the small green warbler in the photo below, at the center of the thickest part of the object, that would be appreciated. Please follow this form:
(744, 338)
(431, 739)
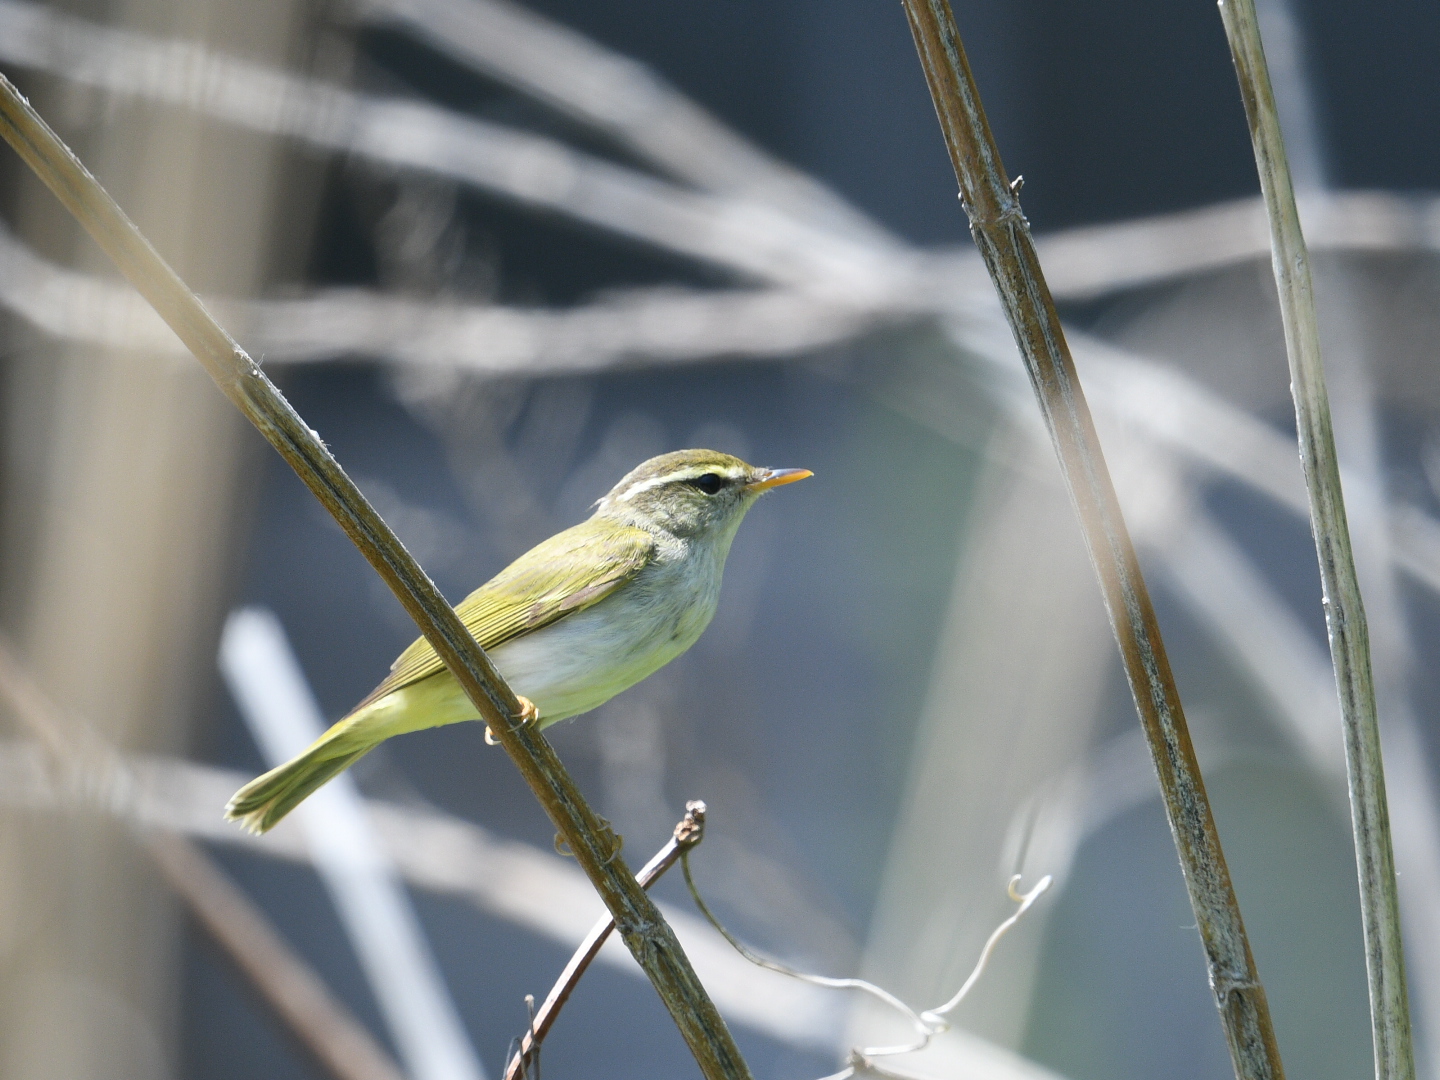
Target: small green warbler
(569, 624)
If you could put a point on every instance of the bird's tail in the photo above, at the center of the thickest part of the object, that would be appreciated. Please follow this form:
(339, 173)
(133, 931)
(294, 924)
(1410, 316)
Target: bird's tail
(261, 803)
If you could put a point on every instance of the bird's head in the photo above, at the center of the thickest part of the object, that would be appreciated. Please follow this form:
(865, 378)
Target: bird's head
(692, 493)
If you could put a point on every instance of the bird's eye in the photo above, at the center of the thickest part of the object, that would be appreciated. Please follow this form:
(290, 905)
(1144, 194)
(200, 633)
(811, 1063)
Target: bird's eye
(708, 483)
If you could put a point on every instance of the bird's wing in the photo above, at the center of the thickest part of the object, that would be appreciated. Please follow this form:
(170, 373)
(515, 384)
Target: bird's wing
(565, 574)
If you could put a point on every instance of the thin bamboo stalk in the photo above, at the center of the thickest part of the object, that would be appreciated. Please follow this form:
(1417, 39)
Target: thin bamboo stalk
(1340, 587)
(594, 845)
(1003, 236)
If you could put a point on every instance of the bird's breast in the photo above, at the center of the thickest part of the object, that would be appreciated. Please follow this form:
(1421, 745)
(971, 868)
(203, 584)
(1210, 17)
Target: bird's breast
(585, 659)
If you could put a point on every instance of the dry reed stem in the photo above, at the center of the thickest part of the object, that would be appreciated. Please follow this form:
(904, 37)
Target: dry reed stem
(1344, 609)
(644, 930)
(1003, 236)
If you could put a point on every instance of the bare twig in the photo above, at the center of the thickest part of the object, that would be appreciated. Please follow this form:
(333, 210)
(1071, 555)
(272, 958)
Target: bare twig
(641, 925)
(1003, 236)
(103, 778)
(1344, 608)
(688, 832)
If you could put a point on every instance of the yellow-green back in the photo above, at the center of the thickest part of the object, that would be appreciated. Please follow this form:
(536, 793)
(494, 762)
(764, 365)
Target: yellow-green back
(567, 573)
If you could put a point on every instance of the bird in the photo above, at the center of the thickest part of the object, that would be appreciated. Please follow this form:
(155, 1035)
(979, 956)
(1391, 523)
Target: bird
(569, 624)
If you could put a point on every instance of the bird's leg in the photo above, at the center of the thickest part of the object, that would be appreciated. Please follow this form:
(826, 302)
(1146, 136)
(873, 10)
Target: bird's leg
(529, 714)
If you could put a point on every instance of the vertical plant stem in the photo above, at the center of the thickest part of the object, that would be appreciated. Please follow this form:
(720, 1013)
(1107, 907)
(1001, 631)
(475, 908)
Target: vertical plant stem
(594, 845)
(1003, 236)
(1344, 609)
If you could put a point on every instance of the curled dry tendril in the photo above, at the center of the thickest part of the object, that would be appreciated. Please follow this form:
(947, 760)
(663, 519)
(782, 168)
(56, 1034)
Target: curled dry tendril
(928, 1023)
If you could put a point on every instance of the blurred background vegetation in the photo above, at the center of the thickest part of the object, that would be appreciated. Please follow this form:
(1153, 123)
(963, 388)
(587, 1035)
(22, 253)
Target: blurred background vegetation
(910, 691)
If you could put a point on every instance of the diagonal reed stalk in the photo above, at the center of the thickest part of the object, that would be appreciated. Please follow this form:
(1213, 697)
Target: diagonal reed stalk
(1344, 609)
(642, 927)
(1003, 237)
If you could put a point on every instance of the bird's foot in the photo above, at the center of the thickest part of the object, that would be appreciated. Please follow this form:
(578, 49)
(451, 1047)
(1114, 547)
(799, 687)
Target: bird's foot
(529, 714)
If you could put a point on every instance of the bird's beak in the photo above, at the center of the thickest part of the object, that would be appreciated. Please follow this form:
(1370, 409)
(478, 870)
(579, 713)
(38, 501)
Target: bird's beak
(765, 479)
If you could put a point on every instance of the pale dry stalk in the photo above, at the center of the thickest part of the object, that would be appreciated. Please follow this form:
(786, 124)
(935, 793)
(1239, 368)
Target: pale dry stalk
(1344, 609)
